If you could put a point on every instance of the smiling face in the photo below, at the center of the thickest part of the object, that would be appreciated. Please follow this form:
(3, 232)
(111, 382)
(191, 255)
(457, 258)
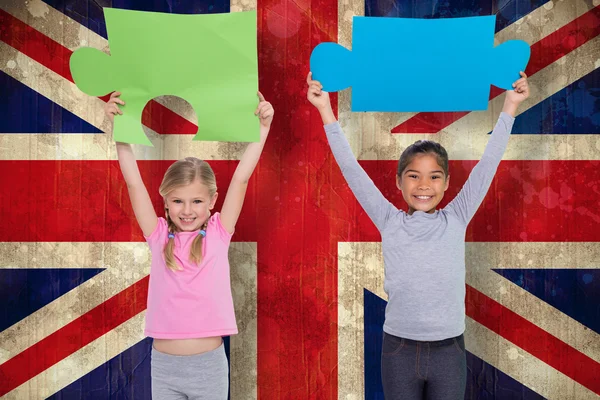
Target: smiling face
(423, 183)
(189, 206)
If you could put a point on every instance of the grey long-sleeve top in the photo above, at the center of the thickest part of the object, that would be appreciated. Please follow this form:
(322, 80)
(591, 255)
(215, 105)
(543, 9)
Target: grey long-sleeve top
(424, 254)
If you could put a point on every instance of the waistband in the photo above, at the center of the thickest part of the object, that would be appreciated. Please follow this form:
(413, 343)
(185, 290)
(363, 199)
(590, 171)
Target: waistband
(434, 343)
(201, 357)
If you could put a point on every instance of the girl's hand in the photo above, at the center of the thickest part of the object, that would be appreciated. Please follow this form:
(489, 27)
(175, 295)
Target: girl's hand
(111, 108)
(520, 91)
(316, 95)
(264, 111)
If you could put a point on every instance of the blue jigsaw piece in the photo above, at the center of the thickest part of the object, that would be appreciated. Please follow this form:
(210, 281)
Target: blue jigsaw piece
(409, 64)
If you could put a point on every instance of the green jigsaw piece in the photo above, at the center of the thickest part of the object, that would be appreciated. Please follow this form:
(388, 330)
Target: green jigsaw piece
(209, 60)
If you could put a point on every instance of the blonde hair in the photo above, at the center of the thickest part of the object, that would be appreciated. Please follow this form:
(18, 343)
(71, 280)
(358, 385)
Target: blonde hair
(183, 173)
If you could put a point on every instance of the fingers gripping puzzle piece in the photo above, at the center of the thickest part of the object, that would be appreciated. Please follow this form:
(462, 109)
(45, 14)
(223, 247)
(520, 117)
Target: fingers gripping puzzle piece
(208, 60)
(402, 64)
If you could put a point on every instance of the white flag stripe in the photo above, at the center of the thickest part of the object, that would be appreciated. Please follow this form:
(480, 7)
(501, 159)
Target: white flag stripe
(101, 147)
(46, 255)
(359, 266)
(533, 255)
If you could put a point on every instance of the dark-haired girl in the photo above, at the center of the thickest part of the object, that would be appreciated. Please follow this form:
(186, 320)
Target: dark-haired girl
(423, 352)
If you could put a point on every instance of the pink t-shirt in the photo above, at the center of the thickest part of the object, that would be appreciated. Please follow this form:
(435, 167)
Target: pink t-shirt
(194, 302)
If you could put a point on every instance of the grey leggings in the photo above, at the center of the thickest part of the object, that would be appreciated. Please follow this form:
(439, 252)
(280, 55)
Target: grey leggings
(202, 376)
(415, 370)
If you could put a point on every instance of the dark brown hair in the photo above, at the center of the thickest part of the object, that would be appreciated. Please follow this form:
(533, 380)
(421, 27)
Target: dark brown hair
(423, 147)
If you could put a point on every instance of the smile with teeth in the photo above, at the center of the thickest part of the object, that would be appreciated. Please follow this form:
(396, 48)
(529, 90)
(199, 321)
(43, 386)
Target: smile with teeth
(187, 220)
(424, 198)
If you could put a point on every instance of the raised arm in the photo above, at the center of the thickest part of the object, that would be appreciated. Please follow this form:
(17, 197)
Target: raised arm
(377, 207)
(468, 200)
(138, 194)
(234, 200)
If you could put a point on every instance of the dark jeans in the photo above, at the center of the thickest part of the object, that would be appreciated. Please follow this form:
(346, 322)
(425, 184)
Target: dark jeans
(415, 370)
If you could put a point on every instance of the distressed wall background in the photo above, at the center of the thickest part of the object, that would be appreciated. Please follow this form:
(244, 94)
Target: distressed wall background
(307, 272)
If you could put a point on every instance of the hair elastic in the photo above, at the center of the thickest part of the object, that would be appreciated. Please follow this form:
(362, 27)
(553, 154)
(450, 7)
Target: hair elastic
(202, 232)
(171, 235)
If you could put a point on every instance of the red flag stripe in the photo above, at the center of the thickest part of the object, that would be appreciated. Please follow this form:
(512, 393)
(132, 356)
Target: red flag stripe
(55, 57)
(528, 201)
(543, 53)
(541, 201)
(84, 200)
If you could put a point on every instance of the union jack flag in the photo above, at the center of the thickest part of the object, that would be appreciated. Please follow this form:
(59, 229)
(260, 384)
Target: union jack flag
(307, 271)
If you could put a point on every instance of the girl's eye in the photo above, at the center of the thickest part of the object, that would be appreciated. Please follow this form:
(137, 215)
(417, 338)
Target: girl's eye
(197, 201)
(177, 201)
(412, 176)
(435, 177)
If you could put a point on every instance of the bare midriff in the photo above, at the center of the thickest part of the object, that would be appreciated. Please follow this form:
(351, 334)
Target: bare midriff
(187, 347)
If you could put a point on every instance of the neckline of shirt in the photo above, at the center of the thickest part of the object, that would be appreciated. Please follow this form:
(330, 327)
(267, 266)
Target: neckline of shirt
(186, 233)
(423, 214)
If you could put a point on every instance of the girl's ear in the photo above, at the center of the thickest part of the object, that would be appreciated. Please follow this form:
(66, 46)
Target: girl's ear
(399, 182)
(213, 201)
(447, 183)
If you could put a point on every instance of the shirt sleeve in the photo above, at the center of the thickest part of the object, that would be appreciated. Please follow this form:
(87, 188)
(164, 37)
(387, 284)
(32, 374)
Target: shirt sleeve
(377, 207)
(223, 234)
(159, 235)
(468, 200)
